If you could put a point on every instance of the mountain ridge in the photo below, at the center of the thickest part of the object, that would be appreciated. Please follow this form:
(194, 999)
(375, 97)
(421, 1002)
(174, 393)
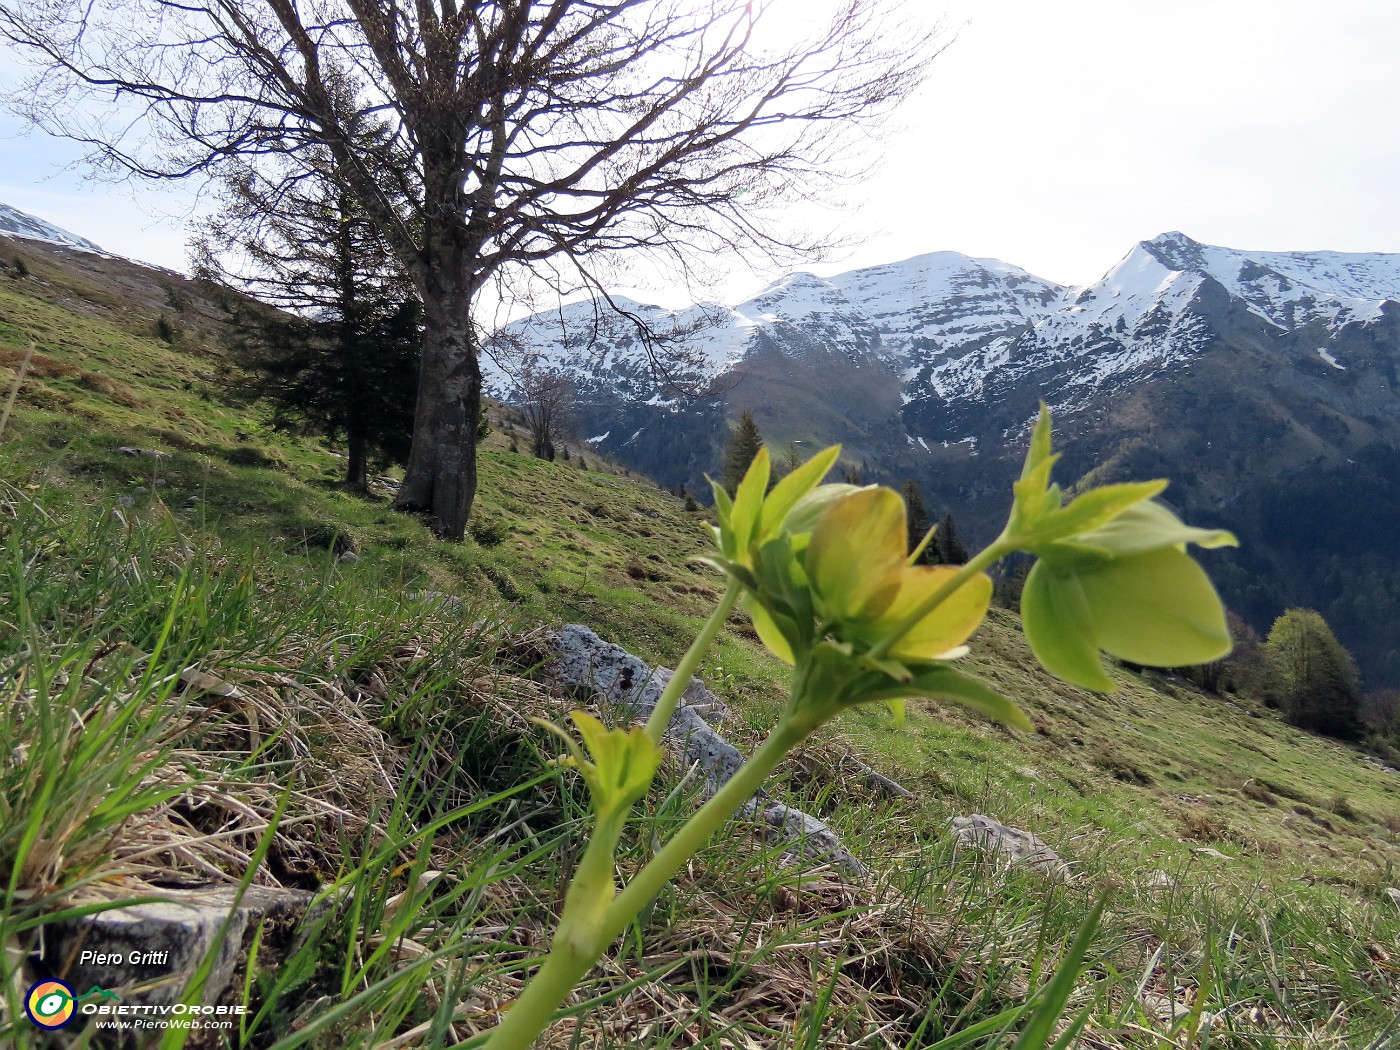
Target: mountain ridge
(1248, 377)
(948, 323)
(16, 223)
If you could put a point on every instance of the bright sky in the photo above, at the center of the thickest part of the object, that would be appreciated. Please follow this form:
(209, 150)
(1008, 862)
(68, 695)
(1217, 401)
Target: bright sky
(1050, 135)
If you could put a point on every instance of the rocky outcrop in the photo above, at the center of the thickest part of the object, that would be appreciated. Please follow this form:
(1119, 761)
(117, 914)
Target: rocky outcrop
(584, 662)
(1006, 844)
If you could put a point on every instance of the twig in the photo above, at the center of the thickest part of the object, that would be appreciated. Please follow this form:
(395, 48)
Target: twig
(14, 387)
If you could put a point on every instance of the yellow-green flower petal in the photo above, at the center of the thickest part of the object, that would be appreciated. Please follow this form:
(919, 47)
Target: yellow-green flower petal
(1157, 608)
(1058, 622)
(857, 546)
(768, 631)
(946, 627)
(807, 511)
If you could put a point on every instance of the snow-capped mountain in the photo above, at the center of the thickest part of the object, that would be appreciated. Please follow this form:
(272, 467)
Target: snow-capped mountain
(902, 316)
(1266, 385)
(1160, 307)
(954, 330)
(15, 223)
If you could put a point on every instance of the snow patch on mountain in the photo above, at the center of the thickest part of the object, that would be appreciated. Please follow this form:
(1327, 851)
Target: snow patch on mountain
(15, 223)
(1292, 289)
(1322, 353)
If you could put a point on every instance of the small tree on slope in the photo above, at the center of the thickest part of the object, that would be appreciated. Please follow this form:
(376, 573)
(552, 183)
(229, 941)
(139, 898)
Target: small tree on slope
(1311, 676)
(340, 357)
(739, 453)
(917, 517)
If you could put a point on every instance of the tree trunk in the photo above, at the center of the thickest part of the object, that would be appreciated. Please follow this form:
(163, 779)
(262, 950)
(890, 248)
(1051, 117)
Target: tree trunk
(356, 464)
(441, 475)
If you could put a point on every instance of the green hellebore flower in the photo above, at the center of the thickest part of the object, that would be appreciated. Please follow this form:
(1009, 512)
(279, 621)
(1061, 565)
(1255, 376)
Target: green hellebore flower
(863, 586)
(1127, 588)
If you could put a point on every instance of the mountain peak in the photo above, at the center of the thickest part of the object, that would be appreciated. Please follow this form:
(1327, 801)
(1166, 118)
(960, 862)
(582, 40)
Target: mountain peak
(1173, 238)
(1176, 251)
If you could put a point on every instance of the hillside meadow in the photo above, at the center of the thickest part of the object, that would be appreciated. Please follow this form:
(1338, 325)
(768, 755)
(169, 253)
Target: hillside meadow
(218, 665)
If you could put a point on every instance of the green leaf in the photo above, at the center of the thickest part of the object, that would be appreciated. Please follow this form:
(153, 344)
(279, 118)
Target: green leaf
(1039, 451)
(1034, 497)
(624, 763)
(731, 568)
(1060, 627)
(1099, 506)
(792, 488)
(1157, 608)
(724, 513)
(748, 503)
(940, 682)
(724, 506)
(1149, 526)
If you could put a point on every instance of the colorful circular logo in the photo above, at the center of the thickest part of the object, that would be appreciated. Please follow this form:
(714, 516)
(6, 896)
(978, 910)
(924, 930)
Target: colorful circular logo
(49, 1004)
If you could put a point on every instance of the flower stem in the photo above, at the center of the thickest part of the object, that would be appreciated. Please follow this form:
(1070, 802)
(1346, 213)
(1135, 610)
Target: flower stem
(697, 831)
(685, 670)
(574, 949)
(573, 954)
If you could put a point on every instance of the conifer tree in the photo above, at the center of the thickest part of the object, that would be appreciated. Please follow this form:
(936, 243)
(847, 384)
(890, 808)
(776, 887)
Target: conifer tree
(340, 356)
(950, 547)
(917, 516)
(743, 446)
(789, 461)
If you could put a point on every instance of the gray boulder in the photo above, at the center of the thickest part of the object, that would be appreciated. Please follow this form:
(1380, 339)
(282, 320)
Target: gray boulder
(146, 953)
(1006, 844)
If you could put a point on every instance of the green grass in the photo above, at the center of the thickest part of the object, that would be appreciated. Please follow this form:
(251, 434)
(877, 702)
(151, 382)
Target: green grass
(399, 724)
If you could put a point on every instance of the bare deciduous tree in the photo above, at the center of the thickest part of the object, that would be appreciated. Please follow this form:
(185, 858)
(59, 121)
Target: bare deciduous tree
(544, 135)
(545, 398)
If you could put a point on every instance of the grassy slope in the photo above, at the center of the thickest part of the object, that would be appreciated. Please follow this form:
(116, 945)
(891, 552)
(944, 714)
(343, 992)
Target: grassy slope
(1124, 785)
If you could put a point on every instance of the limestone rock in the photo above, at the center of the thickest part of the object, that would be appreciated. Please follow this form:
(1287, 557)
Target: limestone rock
(812, 839)
(148, 453)
(147, 952)
(1007, 844)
